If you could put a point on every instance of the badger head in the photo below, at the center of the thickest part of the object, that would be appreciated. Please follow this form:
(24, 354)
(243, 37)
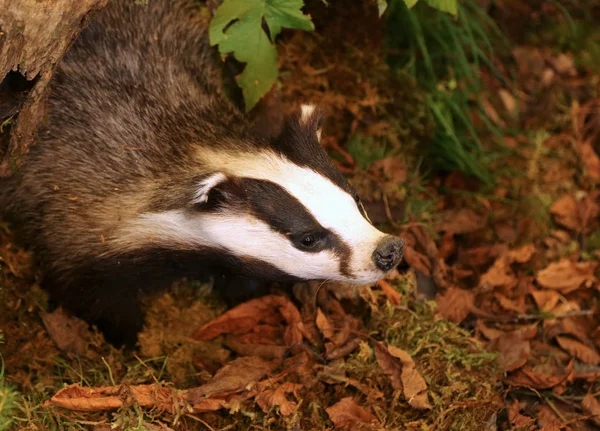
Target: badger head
(282, 207)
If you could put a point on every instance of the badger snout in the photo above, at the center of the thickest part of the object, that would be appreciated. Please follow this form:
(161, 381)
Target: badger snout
(388, 253)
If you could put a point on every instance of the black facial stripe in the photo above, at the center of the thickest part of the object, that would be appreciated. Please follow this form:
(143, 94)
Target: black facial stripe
(299, 143)
(285, 214)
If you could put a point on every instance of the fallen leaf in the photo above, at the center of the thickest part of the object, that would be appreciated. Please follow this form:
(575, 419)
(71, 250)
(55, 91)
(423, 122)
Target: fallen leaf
(324, 325)
(514, 347)
(563, 64)
(591, 406)
(522, 254)
(70, 334)
(489, 333)
(461, 221)
(564, 211)
(517, 420)
(517, 305)
(582, 352)
(565, 275)
(416, 260)
(544, 376)
(393, 169)
(270, 398)
(509, 102)
(545, 300)
(392, 294)
(590, 160)
(234, 376)
(500, 274)
(346, 413)
(401, 368)
(270, 309)
(455, 304)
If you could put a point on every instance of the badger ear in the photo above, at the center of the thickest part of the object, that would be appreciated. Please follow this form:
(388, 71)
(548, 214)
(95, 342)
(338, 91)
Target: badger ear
(311, 120)
(205, 185)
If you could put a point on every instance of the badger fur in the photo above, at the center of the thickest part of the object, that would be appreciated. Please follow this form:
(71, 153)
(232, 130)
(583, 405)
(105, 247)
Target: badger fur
(145, 171)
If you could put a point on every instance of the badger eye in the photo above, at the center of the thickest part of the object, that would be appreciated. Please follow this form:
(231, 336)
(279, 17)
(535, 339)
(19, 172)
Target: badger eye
(308, 241)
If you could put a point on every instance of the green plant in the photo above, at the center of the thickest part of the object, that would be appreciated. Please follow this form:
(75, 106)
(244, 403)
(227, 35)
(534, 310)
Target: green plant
(444, 53)
(237, 28)
(8, 397)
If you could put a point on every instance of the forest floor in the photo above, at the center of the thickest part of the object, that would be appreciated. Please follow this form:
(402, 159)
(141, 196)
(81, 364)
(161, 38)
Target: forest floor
(492, 322)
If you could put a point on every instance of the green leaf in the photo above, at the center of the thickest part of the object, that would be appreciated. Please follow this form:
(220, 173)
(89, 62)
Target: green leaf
(237, 28)
(449, 6)
(381, 7)
(410, 3)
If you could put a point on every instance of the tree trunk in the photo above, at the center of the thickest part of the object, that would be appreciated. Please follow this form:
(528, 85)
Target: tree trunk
(34, 35)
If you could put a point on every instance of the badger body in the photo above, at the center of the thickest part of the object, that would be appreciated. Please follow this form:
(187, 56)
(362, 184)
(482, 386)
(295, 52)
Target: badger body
(145, 172)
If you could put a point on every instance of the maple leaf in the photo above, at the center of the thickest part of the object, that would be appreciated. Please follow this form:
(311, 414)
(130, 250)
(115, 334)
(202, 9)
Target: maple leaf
(237, 28)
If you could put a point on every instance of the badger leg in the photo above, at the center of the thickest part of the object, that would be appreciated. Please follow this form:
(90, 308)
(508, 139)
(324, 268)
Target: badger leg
(235, 289)
(108, 304)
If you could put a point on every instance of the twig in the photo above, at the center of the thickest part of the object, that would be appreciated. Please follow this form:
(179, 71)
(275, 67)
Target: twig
(555, 410)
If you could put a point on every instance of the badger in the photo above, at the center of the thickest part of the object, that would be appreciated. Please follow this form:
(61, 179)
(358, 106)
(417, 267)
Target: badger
(146, 171)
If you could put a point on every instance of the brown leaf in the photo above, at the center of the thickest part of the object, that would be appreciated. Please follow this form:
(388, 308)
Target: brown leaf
(590, 160)
(489, 333)
(545, 300)
(234, 376)
(544, 376)
(461, 221)
(346, 413)
(518, 305)
(455, 304)
(324, 325)
(499, 275)
(582, 352)
(401, 368)
(514, 348)
(276, 397)
(522, 254)
(392, 294)
(393, 169)
(246, 317)
(509, 102)
(417, 260)
(591, 406)
(564, 211)
(70, 334)
(515, 417)
(565, 275)
(79, 398)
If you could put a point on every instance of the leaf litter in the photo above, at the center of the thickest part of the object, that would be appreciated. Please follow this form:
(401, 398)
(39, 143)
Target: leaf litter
(516, 266)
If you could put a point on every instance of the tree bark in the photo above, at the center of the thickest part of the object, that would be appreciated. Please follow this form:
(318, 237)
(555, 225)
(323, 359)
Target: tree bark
(34, 35)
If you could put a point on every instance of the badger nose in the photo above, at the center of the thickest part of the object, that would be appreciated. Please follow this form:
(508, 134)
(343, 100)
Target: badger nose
(388, 253)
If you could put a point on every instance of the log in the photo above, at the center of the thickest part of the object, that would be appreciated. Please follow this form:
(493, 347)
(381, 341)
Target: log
(34, 35)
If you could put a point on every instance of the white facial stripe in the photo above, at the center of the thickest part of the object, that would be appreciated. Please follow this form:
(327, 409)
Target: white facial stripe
(331, 206)
(206, 185)
(306, 112)
(241, 236)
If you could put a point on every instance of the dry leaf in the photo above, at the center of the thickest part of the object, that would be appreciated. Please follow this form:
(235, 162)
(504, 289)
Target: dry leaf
(461, 221)
(70, 334)
(566, 276)
(455, 304)
(246, 317)
(392, 294)
(514, 348)
(234, 376)
(499, 275)
(393, 169)
(543, 376)
(564, 211)
(582, 352)
(546, 300)
(346, 413)
(509, 102)
(590, 160)
(401, 368)
(324, 325)
(270, 398)
(522, 254)
(591, 406)
(417, 260)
